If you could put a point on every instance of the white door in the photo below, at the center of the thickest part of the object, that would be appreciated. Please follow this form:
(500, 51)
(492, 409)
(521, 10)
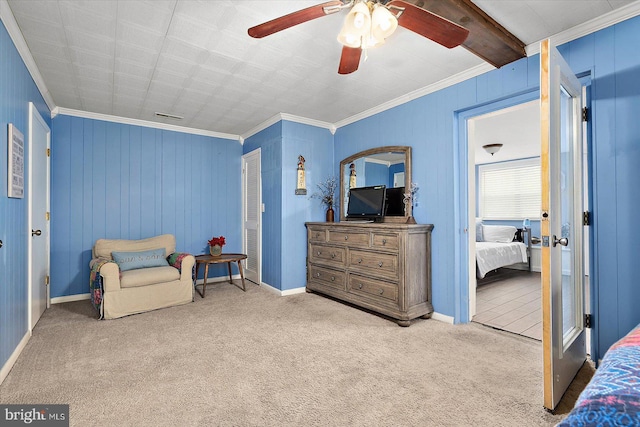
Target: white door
(252, 215)
(39, 137)
(563, 334)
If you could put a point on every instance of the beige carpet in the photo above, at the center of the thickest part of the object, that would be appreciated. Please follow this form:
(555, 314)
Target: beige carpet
(257, 359)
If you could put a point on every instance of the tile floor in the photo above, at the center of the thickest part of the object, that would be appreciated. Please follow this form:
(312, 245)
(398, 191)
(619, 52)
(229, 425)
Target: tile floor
(512, 304)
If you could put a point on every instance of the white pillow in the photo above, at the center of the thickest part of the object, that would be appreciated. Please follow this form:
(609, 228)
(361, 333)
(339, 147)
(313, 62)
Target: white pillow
(479, 230)
(498, 233)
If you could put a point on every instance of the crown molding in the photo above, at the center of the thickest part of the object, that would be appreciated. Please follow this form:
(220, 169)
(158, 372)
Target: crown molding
(596, 24)
(10, 23)
(290, 118)
(418, 93)
(143, 123)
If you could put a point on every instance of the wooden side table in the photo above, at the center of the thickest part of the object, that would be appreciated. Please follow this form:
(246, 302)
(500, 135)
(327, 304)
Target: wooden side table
(224, 258)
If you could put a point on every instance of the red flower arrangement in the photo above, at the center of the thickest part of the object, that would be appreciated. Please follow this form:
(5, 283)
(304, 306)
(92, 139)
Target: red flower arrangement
(217, 241)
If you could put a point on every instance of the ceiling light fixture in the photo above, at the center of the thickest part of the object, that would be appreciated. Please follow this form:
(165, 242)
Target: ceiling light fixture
(492, 148)
(367, 24)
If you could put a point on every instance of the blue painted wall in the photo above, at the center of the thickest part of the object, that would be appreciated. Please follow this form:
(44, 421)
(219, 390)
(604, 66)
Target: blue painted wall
(17, 89)
(118, 181)
(285, 213)
(428, 124)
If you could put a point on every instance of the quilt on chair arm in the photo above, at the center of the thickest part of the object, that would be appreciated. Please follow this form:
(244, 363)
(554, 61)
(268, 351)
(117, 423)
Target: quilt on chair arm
(175, 259)
(96, 289)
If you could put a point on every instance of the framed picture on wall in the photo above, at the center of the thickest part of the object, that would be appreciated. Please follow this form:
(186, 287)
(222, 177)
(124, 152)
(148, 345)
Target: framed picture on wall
(15, 163)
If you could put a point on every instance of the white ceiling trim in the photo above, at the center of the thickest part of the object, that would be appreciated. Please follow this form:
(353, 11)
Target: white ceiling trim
(138, 122)
(291, 118)
(615, 16)
(21, 45)
(449, 81)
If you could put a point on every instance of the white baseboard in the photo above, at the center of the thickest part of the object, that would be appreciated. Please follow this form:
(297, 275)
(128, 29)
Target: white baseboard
(442, 318)
(70, 298)
(14, 357)
(288, 292)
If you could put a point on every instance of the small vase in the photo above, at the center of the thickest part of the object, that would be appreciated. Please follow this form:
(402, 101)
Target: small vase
(215, 250)
(329, 217)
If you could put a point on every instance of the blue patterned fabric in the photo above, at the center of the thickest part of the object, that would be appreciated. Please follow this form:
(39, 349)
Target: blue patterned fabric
(612, 397)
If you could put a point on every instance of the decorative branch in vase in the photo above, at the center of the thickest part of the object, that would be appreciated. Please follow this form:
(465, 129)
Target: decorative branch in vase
(327, 193)
(409, 199)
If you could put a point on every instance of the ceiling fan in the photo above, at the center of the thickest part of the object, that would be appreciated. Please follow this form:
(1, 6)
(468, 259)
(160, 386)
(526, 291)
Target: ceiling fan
(368, 23)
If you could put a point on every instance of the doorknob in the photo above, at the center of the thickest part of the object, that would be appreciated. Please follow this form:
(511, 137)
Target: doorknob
(36, 232)
(562, 241)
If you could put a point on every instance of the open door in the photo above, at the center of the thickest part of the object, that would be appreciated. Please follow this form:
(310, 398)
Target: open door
(252, 215)
(563, 332)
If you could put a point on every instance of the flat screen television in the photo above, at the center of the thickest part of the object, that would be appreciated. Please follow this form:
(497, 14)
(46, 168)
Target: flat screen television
(395, 201)
(366, 203)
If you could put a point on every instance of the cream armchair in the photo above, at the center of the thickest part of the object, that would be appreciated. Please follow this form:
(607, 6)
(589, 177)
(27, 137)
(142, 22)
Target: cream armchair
(134, 276)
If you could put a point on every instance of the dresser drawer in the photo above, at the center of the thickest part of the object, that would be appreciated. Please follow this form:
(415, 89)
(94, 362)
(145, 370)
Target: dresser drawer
(374, 262)
(351, 238)
(316, 235)
(386, 241)
(326, 276)
(364, 286)
(330, 254)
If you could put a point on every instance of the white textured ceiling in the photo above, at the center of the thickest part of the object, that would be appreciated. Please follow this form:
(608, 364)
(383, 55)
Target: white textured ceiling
(132, 58)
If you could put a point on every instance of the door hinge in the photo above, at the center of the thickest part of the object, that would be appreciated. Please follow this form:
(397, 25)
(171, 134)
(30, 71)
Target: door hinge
(586, 218)
(585, 114)
(47, 216)
(46, 279)
(588, 321)
(48, 152)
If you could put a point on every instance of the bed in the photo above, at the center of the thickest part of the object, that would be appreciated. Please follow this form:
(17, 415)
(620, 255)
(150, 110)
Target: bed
(500, 246)
(612, 397)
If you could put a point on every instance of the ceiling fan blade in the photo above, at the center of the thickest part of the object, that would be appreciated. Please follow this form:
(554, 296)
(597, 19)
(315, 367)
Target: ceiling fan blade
(349, 60)
(429, 25)
(295, 18)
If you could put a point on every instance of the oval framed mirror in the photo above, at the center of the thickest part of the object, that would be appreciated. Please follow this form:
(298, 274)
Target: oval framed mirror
(388, 165)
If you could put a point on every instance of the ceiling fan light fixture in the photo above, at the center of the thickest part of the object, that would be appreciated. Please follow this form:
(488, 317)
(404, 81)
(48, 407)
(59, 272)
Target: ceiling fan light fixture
(383, 22)
(357, 25)
(492, 148)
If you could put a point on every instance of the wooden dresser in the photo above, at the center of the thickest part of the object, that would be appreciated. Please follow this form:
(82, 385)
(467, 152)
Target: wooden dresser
(383, 267)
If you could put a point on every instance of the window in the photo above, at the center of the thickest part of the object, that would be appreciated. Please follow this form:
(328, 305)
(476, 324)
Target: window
(510, 190)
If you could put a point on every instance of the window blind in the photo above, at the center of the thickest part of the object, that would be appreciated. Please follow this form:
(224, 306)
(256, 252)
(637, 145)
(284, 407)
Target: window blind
(510, 190)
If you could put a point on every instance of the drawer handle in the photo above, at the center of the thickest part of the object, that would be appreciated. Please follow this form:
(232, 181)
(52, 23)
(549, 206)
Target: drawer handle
(319, 252)
(360, 286)
(333, 278)
(346, 237)
(359, 260)
(333, 255)
(317, 235)
(380, 264)
(384, 242)
(381, 291)
(317, 274)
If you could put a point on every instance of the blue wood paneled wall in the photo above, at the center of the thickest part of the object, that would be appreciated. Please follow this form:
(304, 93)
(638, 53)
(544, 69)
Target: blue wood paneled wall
(283, 249)
(429, 125)
(17, 89)
(119, 181)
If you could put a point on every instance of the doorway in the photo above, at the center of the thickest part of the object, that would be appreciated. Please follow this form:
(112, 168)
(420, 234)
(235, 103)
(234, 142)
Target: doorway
(504, 198)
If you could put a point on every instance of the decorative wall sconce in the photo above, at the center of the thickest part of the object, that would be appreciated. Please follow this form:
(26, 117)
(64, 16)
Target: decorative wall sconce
(492, 148)
(301, 187)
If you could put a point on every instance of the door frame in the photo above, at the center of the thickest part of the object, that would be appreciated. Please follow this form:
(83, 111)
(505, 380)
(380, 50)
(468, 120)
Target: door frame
(258, 153)
(35, 114)
(465, 195)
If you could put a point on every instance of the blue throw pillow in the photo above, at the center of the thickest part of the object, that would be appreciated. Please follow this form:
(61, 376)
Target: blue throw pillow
(134, 260)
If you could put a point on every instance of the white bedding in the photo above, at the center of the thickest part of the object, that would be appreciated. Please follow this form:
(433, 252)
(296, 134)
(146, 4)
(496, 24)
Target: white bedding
(490, 255)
